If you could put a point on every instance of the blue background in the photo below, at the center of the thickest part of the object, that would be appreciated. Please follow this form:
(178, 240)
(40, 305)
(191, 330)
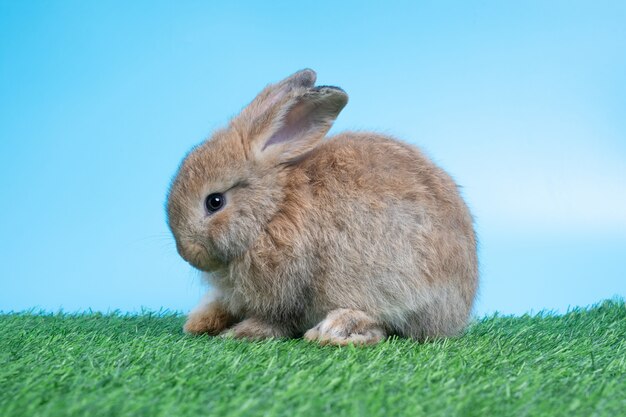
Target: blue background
(524, 103)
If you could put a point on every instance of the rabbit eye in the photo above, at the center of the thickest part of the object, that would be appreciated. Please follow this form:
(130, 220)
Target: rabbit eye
(214, 202)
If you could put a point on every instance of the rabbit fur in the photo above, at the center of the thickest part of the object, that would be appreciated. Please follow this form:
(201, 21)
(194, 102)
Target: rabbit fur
(345, 239)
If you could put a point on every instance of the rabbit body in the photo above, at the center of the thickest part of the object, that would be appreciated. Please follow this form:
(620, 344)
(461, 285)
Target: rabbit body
(345, 239)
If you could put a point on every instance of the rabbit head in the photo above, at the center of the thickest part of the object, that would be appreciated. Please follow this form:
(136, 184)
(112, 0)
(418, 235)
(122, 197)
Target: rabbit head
(229, 187)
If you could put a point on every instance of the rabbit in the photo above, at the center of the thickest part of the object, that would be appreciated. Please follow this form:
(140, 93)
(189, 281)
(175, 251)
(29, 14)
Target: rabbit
(341, 240)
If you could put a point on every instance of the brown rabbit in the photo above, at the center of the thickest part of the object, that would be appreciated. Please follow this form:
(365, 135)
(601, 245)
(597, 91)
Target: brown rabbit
(343, 240)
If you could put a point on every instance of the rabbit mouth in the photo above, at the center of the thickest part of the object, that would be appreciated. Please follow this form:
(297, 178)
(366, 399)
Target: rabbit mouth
(199, 256)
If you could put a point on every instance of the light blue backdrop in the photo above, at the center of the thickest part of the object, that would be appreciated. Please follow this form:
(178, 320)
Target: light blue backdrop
(524, 103)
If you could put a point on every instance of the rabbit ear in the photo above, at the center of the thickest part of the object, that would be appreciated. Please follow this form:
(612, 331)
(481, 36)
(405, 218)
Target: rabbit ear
(300, 123)
(304, 78)
(273, 94)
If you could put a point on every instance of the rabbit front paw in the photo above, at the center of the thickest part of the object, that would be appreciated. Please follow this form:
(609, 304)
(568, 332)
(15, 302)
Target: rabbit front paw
(254, 329)
(211, 319)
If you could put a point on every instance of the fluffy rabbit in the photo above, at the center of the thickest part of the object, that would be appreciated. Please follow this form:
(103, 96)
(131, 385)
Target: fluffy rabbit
(343, 240)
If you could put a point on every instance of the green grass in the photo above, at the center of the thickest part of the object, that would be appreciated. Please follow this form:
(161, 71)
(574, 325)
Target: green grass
(116, 365)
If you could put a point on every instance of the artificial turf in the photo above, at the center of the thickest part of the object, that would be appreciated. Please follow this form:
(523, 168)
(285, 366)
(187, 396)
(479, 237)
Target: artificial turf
(142, 365)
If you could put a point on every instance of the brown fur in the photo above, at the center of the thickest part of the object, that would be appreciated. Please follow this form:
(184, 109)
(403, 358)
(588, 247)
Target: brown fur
(345, 326)
(211, 318)
(358, 234)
